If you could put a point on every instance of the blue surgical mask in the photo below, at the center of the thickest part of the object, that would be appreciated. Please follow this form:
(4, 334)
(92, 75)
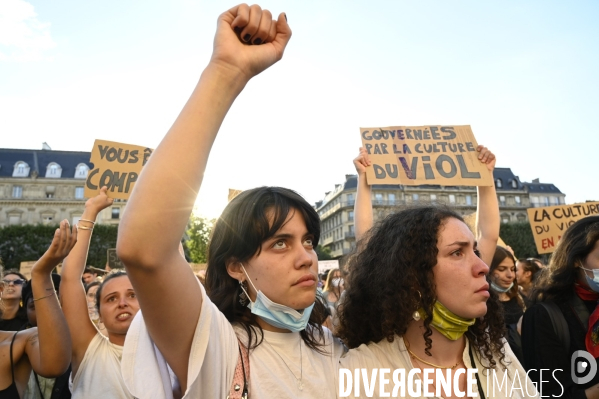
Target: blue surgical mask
(501, 289)
(592, 282)
(275, 314)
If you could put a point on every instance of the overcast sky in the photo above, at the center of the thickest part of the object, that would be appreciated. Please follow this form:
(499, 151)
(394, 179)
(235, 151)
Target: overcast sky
(523, 74)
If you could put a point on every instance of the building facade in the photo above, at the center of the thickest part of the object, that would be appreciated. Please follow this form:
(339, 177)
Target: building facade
(45, 186)
(336, 210)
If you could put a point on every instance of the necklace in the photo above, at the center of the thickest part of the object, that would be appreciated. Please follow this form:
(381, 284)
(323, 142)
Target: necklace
(300, 383)
(413, 355)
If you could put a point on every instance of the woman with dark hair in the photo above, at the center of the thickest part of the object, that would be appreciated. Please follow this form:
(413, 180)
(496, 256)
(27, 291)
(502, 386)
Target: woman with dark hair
(417, 298)
(260, 293)
(45, 349)
(564, 319)
(96, 357)
(14, 315)
(502, 278)
(417, 295)
(526, 275)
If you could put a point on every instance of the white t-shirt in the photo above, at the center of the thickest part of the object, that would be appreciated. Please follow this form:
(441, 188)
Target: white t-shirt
(274, 364)
(394, 355)
(99, 374)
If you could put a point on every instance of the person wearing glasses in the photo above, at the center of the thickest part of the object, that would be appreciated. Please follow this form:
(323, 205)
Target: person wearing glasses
(45, 349)
(14, 316)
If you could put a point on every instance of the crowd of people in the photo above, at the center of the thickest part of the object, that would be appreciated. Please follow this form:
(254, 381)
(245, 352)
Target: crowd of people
(421, 290)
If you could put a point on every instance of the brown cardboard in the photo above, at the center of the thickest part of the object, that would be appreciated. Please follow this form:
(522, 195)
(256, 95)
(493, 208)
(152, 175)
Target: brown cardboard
(415, 155)
(233, 193)
(117, 166)
(549, 223)
(25, 268)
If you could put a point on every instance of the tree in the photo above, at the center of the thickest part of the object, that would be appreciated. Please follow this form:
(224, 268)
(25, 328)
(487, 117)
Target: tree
(198, 233)
(519, 237)
(324, 253)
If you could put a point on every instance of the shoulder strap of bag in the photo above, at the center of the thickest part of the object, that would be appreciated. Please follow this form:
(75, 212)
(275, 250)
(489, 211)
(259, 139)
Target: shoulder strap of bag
(580, 310)
(560, 326)
(241, 379)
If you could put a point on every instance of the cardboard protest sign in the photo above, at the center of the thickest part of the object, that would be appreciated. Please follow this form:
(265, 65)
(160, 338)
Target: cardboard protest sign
(549, 223)
(324, 265)
(117, 166)
(415, 155)
(25, 268)
(113, 261)
(233, 193)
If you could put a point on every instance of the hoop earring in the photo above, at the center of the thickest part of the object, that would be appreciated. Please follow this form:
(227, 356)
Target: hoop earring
(243, 299)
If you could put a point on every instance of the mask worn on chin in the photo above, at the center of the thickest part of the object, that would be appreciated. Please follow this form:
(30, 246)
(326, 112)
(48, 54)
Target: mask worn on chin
(592, 282)
(501, 289)
(275, 314)
(448, 323)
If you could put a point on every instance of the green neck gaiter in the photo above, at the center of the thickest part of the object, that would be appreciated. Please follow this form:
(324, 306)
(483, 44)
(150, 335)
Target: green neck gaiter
(448, 323)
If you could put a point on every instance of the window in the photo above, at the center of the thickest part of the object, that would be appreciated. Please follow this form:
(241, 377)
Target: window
(49, 195)
(505, 218)
(75, 220)
(351, 230)
(350, 216)
(116, 212)
(79, 192)
(17, 191)
(546, 201)
(81, 171)
(502, 200)
(415, 197)
(498, 183)
(517, 199)
(14, 219)
(468, 200)
(451, 198)
(554, 200)
(53, 170)
(21, 169)
(47, 217)
(378, 198)
(433, 197)
(350, 199)
(514, 183)
(391, 199)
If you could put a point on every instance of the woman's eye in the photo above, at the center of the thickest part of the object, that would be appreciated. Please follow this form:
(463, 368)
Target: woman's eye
(457, 253)
(477, 252)
(279, 244)
(308, 242)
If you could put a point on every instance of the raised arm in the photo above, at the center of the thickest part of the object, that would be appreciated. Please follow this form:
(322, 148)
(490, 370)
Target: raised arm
(162, 200)
(72, 291)
(49, 350)
(363, 206)
(487, 216)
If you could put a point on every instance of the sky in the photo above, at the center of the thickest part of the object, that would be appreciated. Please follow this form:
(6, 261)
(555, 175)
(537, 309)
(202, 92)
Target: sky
(523, 74)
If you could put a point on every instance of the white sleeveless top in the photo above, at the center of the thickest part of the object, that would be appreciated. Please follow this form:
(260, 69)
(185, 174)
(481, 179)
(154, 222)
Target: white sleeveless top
(99, 375)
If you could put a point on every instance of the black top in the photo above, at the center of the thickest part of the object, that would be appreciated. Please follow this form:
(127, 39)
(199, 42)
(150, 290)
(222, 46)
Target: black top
(11, 392)
(17, 324)
(543, 350)
(512, 311)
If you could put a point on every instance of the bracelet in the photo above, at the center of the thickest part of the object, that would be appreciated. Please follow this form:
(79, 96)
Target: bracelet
(90, 221)
(49, 295)
(83, 227)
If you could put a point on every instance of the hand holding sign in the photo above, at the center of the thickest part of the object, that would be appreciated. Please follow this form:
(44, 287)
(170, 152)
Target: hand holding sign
(362, 161)
(254, 26)
(487, 157)
(99, 202)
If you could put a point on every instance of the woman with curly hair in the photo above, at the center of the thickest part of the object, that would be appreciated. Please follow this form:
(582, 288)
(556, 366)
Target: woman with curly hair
(566, 294)
(417, 298)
